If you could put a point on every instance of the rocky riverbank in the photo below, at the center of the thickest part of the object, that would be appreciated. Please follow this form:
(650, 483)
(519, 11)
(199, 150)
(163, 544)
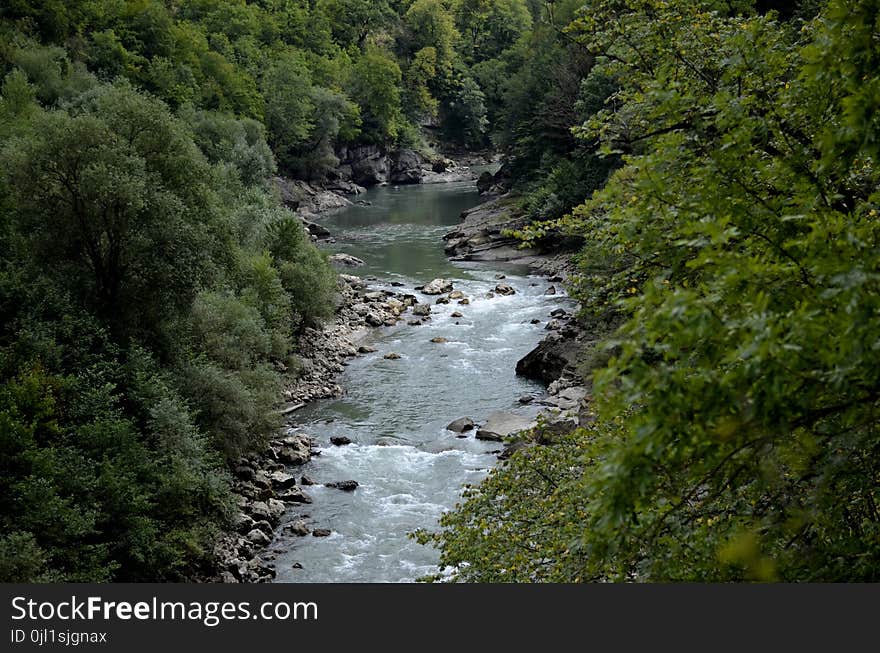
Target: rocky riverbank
(265, 484)
(363, 167)
(560, 359)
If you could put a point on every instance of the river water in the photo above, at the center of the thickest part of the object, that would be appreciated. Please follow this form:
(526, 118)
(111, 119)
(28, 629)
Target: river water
(410, 469)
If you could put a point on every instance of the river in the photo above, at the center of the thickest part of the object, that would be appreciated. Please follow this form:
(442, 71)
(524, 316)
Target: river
(410, 469)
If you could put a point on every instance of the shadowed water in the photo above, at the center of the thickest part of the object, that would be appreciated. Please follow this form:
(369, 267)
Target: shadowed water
(410, 469)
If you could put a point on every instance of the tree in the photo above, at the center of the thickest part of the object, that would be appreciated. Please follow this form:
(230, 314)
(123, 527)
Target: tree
(112, 200)
(375, 86)
(736, 430)
(490, 26)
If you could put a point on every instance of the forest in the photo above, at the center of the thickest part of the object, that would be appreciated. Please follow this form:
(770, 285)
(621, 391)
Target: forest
(714, 159)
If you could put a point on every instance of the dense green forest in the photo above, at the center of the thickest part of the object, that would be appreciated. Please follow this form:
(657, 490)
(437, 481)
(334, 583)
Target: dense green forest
(716, 158)
(734, 247)
(151, 284)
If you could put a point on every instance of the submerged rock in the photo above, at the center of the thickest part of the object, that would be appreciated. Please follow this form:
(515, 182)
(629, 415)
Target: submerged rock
(321, 532)
(340, 440)
(439, 340)
(391, 356)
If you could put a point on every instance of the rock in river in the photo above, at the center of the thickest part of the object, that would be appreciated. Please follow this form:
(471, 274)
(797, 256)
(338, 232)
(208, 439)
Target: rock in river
(502, 424)
(321, 532)
(345, 486)
(298, 528)
(504, 289)
(437, 287)
(340, 440)
(391, 356)
(346, 260)
(461, 425)
(422, 310)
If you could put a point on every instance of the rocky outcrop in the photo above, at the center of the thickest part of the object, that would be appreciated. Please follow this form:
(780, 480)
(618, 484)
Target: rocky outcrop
(307, 200)
(406, 167)
(503, 424)
(370, 167)
(553, 356)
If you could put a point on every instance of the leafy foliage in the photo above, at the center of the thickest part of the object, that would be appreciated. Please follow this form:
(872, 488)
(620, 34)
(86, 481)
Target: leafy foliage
(736, 434)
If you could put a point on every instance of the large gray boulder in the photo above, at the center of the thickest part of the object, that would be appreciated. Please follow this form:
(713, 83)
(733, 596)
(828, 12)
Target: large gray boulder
(437, 287)
(461, 425)
(549, 359)
(503, 424)
(369, 166)
(406, 167)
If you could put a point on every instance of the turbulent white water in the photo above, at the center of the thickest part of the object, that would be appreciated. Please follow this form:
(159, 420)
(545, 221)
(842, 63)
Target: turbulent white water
(410, 469)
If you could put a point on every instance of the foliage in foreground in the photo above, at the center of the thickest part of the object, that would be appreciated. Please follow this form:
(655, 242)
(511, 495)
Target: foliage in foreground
(737, 434)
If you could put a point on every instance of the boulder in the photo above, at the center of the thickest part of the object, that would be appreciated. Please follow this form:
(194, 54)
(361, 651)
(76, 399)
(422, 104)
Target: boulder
(340, 440)
(442, 300)
(465, 301)
(321, 532)
(456, 314)
(243, 523)
(391, 356)
(281, 480)
(461, 425)
(456, 294)
(292, 450)
(258, 510)
(503, 424)
(437, 287)
(549, 359)
(406, 167)
(347, 260)
(306, 480)
(276, 510)
(345, 486)
(316, 230)
(421, 310)
(550, 291)
(373, 168)
(297, 528)
(485, 182)
(504, 289)
(258, 537)
(439, 340)
(366, 349)
(294, 495)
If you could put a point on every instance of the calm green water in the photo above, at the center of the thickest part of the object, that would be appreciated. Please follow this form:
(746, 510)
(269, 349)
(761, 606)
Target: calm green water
(410, 469)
